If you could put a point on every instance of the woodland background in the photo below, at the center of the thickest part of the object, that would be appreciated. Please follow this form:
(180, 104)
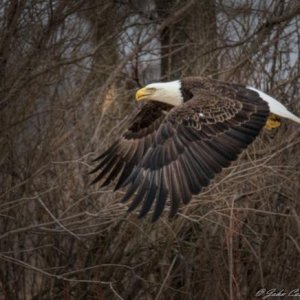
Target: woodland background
(68, 73)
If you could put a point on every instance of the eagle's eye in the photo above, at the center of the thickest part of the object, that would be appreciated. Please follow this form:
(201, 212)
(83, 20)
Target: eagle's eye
(151, 89)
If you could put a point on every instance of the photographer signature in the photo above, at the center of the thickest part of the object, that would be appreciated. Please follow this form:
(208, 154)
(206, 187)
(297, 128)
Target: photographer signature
(267, 293)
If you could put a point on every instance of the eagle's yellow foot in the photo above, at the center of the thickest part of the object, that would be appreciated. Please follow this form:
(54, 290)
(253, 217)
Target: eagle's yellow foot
(272, 122)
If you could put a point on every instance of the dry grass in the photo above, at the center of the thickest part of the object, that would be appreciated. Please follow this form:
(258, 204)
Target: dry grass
(62, 237)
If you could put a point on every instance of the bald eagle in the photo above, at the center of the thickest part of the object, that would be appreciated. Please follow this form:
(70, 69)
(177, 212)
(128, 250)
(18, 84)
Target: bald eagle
(187, 131)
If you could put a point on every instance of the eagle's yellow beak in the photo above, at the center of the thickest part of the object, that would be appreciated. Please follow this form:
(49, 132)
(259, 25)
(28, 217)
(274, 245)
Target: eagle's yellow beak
(141, 93)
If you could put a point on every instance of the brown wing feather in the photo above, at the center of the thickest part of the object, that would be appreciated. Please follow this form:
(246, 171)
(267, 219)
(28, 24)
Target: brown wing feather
(125, 154)
(193, 143)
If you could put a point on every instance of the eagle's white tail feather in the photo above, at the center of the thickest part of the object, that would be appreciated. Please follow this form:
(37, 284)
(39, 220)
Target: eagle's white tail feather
(276, 107)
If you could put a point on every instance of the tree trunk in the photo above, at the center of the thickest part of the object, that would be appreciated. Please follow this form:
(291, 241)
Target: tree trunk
(188, 45)
(202, 34)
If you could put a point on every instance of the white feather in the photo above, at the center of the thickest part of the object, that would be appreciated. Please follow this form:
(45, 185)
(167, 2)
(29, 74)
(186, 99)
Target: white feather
(276, 107)
(168, 92)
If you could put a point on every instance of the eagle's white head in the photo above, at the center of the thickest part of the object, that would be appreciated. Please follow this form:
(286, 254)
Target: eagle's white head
(166, 92)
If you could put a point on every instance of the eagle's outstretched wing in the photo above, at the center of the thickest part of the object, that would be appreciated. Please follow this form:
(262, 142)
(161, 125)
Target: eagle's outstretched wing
(177, 151)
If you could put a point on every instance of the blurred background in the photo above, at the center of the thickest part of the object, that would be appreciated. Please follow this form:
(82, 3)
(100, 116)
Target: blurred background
(68, 73)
